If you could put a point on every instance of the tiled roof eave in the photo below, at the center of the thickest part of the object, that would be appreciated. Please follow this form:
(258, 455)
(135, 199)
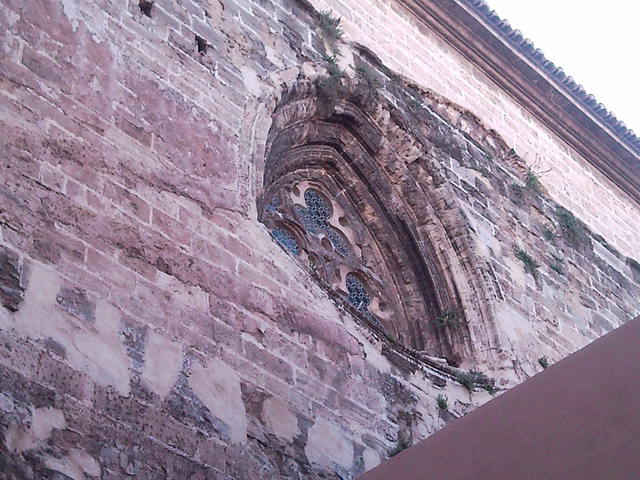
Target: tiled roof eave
(521, 70)
(567, 83)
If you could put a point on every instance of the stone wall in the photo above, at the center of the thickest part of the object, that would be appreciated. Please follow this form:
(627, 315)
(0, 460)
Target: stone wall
(410, 49)
(152, 328)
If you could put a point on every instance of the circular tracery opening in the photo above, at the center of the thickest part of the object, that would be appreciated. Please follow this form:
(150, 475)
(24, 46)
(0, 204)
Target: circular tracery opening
(315, 220)
(327, 245)
(286, 239)
(316, 214)
(358, 296)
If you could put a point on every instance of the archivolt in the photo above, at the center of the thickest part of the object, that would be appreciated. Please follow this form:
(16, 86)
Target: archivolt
(406, 243)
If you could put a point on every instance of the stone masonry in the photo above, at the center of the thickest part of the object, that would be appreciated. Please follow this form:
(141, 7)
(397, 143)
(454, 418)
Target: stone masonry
(152, 327)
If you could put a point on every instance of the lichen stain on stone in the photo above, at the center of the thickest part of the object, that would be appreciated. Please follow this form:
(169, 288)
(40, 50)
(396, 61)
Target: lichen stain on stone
(218, 387)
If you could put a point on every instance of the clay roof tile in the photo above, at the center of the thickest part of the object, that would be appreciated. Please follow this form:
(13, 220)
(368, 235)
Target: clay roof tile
(526, 47)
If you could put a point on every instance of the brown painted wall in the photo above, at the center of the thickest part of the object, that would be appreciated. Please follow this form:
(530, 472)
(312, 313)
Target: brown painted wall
(577, 419)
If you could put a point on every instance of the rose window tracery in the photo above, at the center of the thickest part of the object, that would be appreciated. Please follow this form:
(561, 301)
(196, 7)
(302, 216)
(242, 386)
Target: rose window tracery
(304, 223)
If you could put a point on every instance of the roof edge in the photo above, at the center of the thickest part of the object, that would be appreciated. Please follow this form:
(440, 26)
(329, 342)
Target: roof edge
(521, 70)
(567, 82)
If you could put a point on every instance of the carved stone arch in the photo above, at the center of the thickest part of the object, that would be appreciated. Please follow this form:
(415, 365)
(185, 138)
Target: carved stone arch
(418, 276)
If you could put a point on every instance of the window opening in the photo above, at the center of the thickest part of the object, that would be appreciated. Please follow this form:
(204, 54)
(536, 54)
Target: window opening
(315, 219)
(358, 295)
(337, 242)
(359, 298)
(316, 215)
(326, 243)
(327, 201)
(287, 240)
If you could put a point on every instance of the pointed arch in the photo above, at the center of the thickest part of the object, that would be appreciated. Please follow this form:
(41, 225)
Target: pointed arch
(405, 248)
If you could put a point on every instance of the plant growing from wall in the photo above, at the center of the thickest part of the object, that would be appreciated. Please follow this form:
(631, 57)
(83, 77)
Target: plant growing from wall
(467, 380)
(570, 227)
(556, 264)
(544, 361)
(330, 26)
(531, 187)
(448, 318)
(530, 265)
(531, 182)
(366, 78)
(442, 402)
(330, 29)
(402, 443)
(472, 379)
(414, 103)
(490, 386)
(517, 192)
(330, 85)
(547, 233)
(331, 64)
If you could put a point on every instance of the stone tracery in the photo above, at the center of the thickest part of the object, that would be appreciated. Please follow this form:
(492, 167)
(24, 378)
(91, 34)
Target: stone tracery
(339, 194)
(309, 224)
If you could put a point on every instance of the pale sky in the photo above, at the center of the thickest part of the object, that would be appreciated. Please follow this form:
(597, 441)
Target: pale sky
(597, 43)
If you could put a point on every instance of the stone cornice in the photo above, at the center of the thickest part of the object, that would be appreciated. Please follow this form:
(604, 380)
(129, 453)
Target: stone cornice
(472, 30)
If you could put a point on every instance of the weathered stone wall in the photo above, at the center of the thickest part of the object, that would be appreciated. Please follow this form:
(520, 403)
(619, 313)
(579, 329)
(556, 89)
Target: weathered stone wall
(410, 49)
(152, 328)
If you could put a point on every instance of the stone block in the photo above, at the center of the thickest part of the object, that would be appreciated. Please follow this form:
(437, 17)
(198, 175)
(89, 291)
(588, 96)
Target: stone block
(11, 284)
(218, 388)
(327, 445)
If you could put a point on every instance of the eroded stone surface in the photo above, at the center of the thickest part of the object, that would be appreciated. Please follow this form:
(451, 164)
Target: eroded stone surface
(11, 288)
(327, 445)
(163, 362)
(218, 386)
(280, 419)
(75, 465)
(371, 458)
(152, 327)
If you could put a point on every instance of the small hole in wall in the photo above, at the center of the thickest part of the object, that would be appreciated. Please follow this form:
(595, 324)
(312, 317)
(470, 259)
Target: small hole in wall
(202, 44)
(146, 7)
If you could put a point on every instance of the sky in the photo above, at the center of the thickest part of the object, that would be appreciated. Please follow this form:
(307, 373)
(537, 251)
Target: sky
(597, 43)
